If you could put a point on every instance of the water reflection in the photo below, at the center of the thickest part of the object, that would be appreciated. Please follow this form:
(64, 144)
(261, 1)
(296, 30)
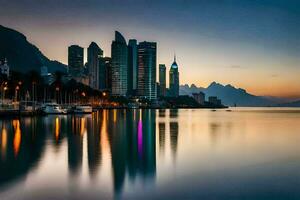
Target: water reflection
(114, 152)
(75, 143)
(21, 148)
(127, 136)
(134, 152)
(162, 136)
(174, 138)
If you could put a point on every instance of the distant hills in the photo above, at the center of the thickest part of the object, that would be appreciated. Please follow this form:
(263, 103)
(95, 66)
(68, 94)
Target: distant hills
(23, 56)
(231, 96)
(290, 104)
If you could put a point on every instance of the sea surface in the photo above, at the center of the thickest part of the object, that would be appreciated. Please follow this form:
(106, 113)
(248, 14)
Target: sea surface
(242, 153)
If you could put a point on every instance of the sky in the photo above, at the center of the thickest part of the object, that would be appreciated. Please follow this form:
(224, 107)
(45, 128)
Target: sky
(251, 44)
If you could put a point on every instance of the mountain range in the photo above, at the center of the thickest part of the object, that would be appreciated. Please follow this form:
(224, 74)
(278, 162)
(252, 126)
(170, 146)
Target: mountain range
(290, 104)
(22, 55)
(232, 96)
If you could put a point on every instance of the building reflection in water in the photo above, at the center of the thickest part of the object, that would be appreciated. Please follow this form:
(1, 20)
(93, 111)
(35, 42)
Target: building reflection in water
(173, 113)
(174, 132)
(132, 142)
(3, 141)
(17, 136)
(128, 136)
(57, 129)
(162, 136)
(93, 142)
(21, 148)
(140, 137)
(75, 143)
(162, 113)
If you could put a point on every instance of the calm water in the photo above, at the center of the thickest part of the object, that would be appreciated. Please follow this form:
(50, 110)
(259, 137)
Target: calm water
(151, 154)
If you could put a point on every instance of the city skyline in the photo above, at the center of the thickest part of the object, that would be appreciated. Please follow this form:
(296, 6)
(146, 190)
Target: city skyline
(243, 41)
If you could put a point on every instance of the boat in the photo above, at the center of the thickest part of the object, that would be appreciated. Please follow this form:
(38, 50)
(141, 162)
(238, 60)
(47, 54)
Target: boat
(133, 105)
(83, 109)
(53, 108)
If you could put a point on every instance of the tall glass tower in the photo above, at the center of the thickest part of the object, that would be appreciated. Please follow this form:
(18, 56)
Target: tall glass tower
(94, 54)
(75, 59)
(119, 65)
(174, 79)
(147, 70)
(162, 80)
(132, 66)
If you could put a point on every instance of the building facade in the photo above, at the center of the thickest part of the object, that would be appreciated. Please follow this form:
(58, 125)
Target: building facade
(162, 80)
(75, 59)
(107, 64)
(119, 65)
(147, 70)
(132, 66)
(214, 101)
(174, 79)
(4, 68)
(199, 97)
(95, 53)
(101, 73)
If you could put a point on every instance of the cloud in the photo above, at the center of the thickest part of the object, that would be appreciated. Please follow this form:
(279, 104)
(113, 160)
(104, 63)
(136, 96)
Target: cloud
(274, 75)
(236, 67)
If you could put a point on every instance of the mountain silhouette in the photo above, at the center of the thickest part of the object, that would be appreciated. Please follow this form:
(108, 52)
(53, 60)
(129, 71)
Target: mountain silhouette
(290, 104)
(23, 56)
(230, 95)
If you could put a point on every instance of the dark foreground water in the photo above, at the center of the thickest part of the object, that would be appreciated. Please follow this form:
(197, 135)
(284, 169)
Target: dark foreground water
(152, 154)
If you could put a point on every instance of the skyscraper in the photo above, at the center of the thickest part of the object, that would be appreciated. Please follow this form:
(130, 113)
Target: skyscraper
(147, 70)
(132, 66)
(162, 79)
(174, 79)
(94, 54)
(75, 59)
(107, 64)
(119, 64)
(102, 73)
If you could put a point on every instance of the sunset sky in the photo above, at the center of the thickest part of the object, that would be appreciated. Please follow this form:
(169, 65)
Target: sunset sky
(252, 44)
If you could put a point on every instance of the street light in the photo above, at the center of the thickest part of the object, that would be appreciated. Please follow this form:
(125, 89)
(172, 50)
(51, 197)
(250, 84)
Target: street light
(16, 93)
(57, 94)
(4, 89)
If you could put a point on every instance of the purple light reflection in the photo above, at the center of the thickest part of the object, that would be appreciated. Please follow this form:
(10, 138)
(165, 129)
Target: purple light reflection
(140, 138)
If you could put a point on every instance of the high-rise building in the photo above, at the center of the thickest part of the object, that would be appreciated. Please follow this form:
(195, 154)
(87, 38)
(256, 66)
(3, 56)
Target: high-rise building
(147, 70)
(199, 97)
(162, 80)
(132, 66)
(102, 73)
(107, 64)
(119, 65)
(94, 54)
(75, 59)
(174, 79)
(4, 69)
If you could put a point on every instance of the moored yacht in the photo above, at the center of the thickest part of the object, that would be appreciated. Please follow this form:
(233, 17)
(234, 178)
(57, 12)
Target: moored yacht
(83, 109)
(53, 108)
